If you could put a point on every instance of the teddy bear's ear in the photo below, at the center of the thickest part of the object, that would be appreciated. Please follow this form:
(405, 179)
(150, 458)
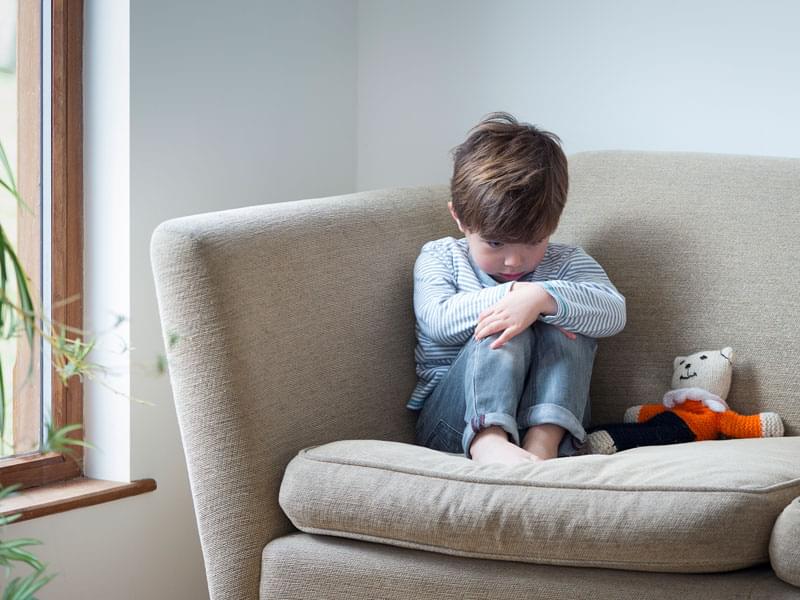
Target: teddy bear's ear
(677, 362)
(727, 352)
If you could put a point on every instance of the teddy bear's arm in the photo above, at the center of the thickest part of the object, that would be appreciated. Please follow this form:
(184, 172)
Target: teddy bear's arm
(734, 425)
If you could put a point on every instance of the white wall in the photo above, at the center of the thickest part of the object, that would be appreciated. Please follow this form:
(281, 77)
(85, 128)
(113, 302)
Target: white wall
(228, 107)
(107, 283)
(709, 75)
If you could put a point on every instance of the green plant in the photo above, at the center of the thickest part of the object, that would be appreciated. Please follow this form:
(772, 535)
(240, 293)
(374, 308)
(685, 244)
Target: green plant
(20, 588)
(69, 356)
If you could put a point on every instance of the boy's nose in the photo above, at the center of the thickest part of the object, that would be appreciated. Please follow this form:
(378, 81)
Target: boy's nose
(513, 261)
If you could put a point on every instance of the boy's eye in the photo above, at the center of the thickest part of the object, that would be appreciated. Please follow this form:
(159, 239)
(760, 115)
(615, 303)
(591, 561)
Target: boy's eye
(493, 244)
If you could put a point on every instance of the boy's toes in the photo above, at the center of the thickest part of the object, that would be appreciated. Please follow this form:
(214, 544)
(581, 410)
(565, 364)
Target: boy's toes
(771, 424)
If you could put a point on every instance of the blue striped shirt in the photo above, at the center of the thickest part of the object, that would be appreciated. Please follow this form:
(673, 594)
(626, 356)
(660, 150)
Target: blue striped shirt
(450, 291)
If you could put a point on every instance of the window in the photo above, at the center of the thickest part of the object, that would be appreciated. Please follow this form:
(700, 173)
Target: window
(8, 208)
(49, 175)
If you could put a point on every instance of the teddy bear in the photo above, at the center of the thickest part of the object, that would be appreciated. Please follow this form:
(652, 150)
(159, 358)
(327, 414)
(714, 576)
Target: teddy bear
(694, 409)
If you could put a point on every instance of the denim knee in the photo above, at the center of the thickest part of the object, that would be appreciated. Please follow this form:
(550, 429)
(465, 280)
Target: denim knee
(523, 340)
(513, 358)
(551, 336)
(522, 343)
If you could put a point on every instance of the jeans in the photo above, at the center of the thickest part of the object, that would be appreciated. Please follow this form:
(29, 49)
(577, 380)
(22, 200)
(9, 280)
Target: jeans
(539, 376)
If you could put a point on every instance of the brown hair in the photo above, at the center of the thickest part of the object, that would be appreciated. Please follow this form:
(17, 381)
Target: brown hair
(509, 180)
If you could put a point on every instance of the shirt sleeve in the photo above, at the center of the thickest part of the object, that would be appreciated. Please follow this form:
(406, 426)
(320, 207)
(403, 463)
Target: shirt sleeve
(588, 303)
(444, 314)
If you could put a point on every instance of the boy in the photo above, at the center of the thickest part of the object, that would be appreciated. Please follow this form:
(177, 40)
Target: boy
(506, 321)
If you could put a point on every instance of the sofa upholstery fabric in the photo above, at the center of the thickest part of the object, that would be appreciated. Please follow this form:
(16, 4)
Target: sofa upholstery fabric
(690, 508)
(784, 546)
(704, 249)
(301, 566)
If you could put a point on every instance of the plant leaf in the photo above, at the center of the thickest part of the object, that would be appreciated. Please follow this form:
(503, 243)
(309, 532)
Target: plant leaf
(9, 519)
(23, 588)
(59, 441)
(4, 161)
(11, 191)
(9, 490)
(14, 551)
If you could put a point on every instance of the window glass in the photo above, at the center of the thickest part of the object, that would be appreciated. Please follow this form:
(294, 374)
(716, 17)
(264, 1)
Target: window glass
(8, 205)
(20, 135)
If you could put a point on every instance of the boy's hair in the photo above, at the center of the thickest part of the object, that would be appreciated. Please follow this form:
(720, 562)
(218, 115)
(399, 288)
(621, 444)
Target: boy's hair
(510, 180)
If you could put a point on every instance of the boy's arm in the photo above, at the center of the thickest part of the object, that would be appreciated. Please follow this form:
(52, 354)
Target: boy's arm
(587, 302)
(444, 314)
(516, 312)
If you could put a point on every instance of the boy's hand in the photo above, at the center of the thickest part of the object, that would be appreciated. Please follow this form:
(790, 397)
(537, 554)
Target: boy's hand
(515, 312)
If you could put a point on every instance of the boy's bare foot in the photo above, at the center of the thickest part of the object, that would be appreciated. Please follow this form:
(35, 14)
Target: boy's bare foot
(542, 441)
(492, 446)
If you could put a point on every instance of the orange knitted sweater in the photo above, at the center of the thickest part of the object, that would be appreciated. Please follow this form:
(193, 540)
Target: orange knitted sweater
(707, 424)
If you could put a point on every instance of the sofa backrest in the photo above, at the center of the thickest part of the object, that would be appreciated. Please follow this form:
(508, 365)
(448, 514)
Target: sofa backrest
(705, 249)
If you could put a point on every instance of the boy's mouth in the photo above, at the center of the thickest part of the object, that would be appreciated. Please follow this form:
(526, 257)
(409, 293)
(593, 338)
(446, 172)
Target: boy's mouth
(511, 275)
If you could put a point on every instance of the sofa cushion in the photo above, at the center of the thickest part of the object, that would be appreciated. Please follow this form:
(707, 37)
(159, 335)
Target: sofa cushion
(299, 566)
(784, 545)
(699, 507)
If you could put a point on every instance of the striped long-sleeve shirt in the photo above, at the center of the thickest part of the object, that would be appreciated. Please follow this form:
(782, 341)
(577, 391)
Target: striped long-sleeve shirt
(450, 291)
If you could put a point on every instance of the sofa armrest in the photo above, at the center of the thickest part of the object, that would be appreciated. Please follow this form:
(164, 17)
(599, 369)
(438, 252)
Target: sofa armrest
(295, 327)
(784, 545)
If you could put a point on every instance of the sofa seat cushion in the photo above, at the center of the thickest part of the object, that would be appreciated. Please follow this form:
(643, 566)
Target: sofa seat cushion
(784, 546)
(691, 508)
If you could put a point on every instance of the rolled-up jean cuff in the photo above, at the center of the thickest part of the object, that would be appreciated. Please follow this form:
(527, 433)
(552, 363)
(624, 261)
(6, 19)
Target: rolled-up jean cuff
(481, 422)
(554, 414)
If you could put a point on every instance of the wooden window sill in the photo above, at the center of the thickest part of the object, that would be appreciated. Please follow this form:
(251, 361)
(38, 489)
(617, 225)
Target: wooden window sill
(66, 495)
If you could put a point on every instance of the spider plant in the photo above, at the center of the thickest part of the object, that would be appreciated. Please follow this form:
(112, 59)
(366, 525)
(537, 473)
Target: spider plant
(69, 352)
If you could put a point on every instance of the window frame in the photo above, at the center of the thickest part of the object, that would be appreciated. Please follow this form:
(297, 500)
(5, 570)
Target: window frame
(40, 468)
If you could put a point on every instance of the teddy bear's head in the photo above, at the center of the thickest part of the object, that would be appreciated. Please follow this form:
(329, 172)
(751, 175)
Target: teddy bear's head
(709, 369)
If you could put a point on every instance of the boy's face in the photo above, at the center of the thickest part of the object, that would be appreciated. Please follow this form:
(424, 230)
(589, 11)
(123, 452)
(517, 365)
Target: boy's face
(503, 262)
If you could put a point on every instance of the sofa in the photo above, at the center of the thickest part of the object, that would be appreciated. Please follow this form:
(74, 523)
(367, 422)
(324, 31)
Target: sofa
(289, 329)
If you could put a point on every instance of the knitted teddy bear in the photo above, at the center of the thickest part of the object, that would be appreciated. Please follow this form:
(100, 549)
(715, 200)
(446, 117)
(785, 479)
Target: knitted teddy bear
(687, 414)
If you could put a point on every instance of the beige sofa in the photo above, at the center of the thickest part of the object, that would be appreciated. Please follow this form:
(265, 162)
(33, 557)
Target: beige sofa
(294, 360)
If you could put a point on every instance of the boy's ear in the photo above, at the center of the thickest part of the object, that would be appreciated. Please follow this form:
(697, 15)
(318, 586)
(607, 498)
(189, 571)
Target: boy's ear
(453, 213)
